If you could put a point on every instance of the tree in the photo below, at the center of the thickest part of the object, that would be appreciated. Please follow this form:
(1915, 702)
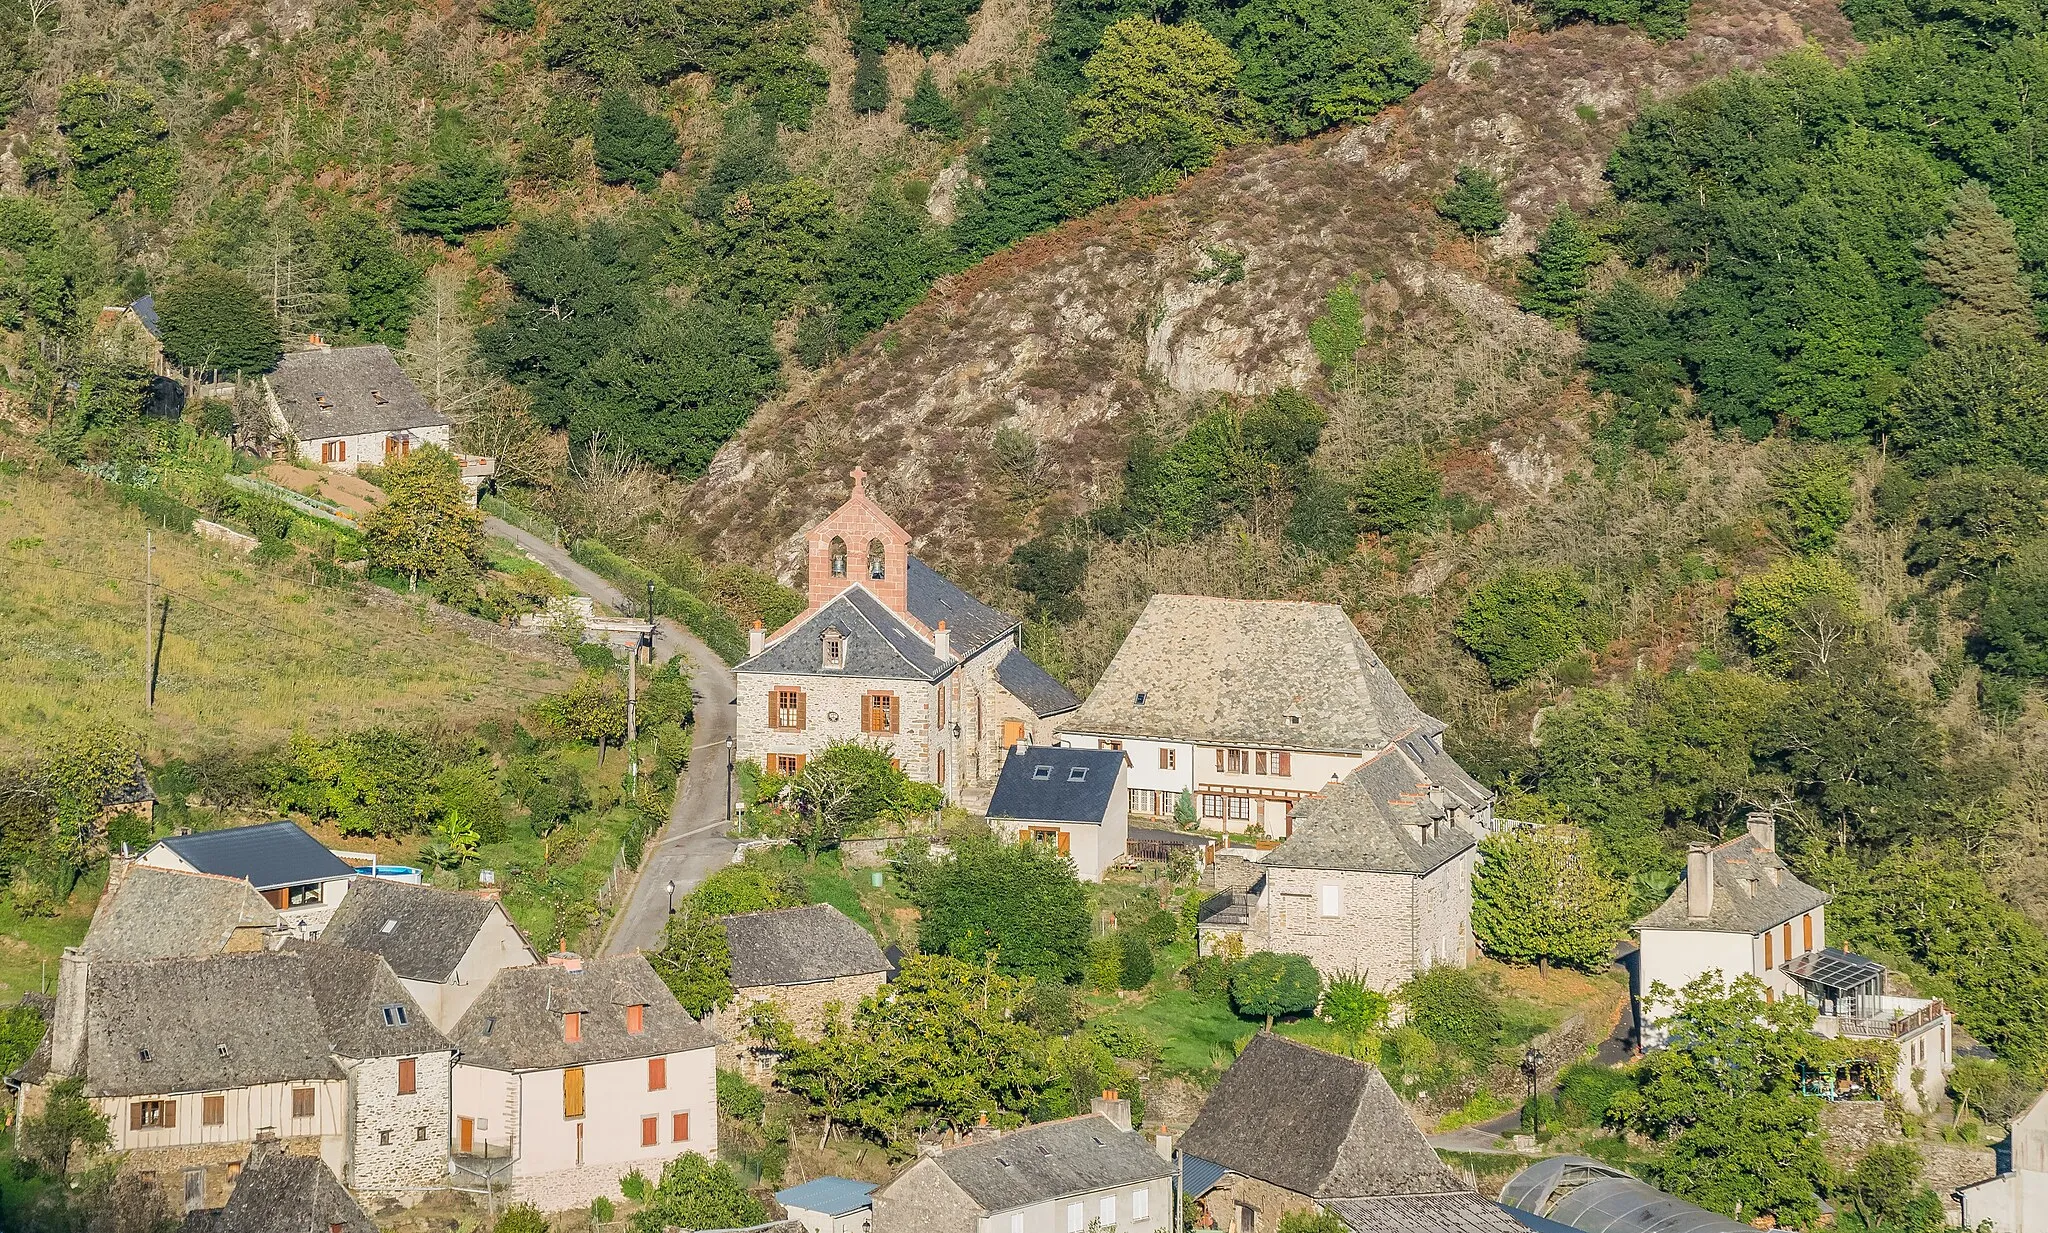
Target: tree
(465, 191)
(1317, 1221)
(1974, 521)
(1400, 493)
(747, 888)
(1268, 983)
(845, 790)
(2014, 623)
(1135, 965)
(117, 143)
(678, 387)
(67, 1125)
(870, 83)
(629, 145)
(1662, 20)
(426, 528)
(1310, 64)
(1452, 1006)
(1473, 203)
(1883, 1184)
(511, 14)
(1522, 622)
(1769, 607)
(214, 321)
(378, 781)
(379, 286)
(1975, 263)
(1752, 1156)
(1539, 896)
(928, 111)
(926, 25)
(593, 709)
(1019, 902)
(1027, 175)
(694, 960)
(1051, 573)
(575, 297)
(1553, 279)
(21, 1030)
(1162, 96)
(697, 1194)
(1838, 377)
(771, 243)
(881, 266)
(1632, 346)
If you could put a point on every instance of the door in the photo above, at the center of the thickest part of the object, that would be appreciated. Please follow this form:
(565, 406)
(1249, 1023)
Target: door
(465, 1135)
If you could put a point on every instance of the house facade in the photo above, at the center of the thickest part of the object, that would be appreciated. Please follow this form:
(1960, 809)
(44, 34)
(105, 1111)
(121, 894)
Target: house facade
(809, 962)
(444, 946)
(1075, 801)
(301, 879)
(889, 652)
(1740, 910)
(347, 407)
(1248, 707)
(579, 1071)
(2016, 1201)
(1073, 1176)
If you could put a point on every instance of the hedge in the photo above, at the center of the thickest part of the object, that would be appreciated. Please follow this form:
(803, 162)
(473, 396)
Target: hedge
(709, 622)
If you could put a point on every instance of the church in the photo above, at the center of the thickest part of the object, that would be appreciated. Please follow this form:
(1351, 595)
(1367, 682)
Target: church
(888, 651)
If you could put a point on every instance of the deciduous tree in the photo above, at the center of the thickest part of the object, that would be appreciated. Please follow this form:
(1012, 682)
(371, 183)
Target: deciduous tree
(427, 527)
(1267, 983)
(1539, 896)
(1020, 902)
(118, 143)
(214, 321)
(1165, 93)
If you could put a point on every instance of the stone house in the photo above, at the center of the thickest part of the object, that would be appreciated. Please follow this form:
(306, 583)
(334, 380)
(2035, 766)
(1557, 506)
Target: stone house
(1074, 800)
(803, 960)
(2016, 1201)
(287, 866)
(277, 1192)
(191, 1060)
(1375, 880)
(1251, 706)
(1083, 1173)
(888, 651)
(1292, 1129)
(444, 945)
(156, 913)
(579, 1071)
(347, 407)
(1740, 910)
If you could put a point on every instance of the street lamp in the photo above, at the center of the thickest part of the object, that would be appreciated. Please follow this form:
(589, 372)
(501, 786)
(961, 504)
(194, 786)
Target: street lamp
(671, 896)
(650, 620)
(728, 778)
(1532, 1066)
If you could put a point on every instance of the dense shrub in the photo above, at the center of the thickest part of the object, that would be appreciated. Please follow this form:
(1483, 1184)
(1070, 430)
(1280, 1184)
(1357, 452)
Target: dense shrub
(1453, 1006)
(1522, 622)
(1267, 984)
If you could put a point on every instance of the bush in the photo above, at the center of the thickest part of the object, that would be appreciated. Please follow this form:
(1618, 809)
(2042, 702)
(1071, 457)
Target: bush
(1049, 1007)
(1351, 1005)
(1269, 984)
(1453, 1006)
(928, 111)
(630, 145)
(739, 1099)
(1134, 960)
(635, 1186)
(1400, 494)
(601, 1210)
(1161, 926)
(1208, 976)
(521, 1218)
(1523, 621)
(1770, 607)
(1584, 1090)
(1020, 901)
(870, 85)
(1473, 203)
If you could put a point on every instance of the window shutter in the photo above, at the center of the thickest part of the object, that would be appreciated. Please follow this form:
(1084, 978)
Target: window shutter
(170, 1113)
(1013, 731)
(650, 1131)
(1064, 838)
(774, 708)
(1286, 763)
(657, 1074)
(572, 1092)
(801, 759)
(867, 713)
(682, 1127)
(1219, 761)
(1768, 939)
(408, 1076)
(341, 450)
(1806, 924)
(135, 1115)
(802, 699)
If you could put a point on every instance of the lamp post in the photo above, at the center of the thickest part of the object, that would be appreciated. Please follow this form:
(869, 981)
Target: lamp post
(671, 896)
(728, 778)
(1532, 1066)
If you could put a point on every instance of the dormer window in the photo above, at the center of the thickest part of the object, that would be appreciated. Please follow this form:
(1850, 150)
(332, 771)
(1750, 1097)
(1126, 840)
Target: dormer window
(394, 1015)
(1141, 697)
(838, 557)
(388, 926)
(1041, 772)
(834, 649)
(1077, 774)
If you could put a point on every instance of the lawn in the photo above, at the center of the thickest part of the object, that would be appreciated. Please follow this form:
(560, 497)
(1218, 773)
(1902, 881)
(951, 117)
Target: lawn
(30, 945)
(252, 651)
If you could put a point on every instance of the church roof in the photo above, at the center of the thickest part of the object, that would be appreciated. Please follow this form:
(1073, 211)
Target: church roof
(878, 644)
(933, 598)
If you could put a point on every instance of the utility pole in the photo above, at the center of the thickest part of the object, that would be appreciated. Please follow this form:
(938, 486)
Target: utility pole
(156, 655)
(148, 603)
(633, 720)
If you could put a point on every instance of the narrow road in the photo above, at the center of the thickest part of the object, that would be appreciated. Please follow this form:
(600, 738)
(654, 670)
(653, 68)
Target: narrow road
(693, 844)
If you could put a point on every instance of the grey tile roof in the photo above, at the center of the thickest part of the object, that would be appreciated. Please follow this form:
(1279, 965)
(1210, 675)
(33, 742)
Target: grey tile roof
(1033, 685)
(1463, 1212)
(238, 1020)
(878, 644)
(271, 855)
(429, 930)
(145, 312)
(343, 391)
(1038, 784)
(281, 1193)
(134, 791)
(932, 598)
(1746, 899)
(1314, 1123)
(1052, 1160)
(1363, 823)
(794, 946)
(517, 1022)
(169, 914)
(1230, 671)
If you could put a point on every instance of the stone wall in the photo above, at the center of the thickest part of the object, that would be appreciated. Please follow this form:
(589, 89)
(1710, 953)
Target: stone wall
(827, 697)
(1270, 1201)
(219, 1163)
(1853, 1127)
(1375, 934)
(804, 1005)
(401, 1141)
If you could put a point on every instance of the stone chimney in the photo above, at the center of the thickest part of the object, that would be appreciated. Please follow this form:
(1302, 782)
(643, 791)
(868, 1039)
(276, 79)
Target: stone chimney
(757, 640)
(1699, 881)
(67, 1029)
(1763, 828)
(942, 642)
(1109, 1106)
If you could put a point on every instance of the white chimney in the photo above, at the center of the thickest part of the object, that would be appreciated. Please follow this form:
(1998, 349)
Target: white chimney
(1163, 1144)
(1699, 881)
(942, 641)
(1109, 1106)
(757, 640)
(1021, 747)
(1763, 828)
(67, 1033)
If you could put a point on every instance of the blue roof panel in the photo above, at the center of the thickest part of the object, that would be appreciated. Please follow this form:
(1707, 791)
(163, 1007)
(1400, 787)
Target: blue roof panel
(268, 856)
(1198, 1175)
(834, 1196)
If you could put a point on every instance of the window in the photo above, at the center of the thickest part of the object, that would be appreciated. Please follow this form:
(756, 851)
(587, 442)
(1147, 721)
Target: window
(1108, 1209)
(657, 1074)
(833, 653)
(1141, 801)
(650, 1131)
(786, 709)
(878, 565)
(1109, 744)
(1283, 763)
(152, 1114)
(1240, 808)
(1219, 762)
(838, 551)
(1788, 939)
(384, 1138)
(572, 1092)
(572, 1026)
(419, 1134)
(213, 1111)
(302, 1102)
(1041, 773)
(408, 1076)
(1077, 1217)
(388, 926)
(1212, 805)
(1141, 1204)
(1247, 1218)
(786, 765)
(1333, 899)
(1167, 758)
(1240, 761)
(878, 713)
(680, 1125)
(636, 1020)
(1077, 774)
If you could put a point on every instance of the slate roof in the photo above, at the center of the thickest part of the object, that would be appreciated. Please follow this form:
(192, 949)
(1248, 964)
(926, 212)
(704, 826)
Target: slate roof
(1463, 1212)
(1746, 900)
(833, 1196)
(227, 1021)
(145, 312)
(344, 391)
(430, 930)
(517, 1022)
(1050, 1161)
(1033, 685)
(1232, 672)
(268, 856)
(1317, 1124)
(169, 913)
(1057, 797)
(795, 946)
(281, 1193)
(932, 597)
(1363, 823)
(878, 644)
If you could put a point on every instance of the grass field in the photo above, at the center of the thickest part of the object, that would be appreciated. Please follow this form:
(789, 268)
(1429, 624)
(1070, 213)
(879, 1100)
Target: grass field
(253, 651)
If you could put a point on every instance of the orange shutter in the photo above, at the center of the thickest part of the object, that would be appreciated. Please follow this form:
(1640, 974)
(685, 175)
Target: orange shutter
(572, 1092)
(572, 1026)
(135, 1115)
(1806, 923)
(657, 1074)
(1767, 951)
(1286, 766)
(1063, 843)
(682, 1127)
(1013, 731)
(867, 713)
(802, 700)
(1219, 761)
(170, 1113)
(650, 1131)
(775, 708)
(636, 1019)
(408, 1076)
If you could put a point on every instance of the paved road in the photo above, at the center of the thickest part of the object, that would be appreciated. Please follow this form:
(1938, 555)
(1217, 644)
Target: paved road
(693, 844)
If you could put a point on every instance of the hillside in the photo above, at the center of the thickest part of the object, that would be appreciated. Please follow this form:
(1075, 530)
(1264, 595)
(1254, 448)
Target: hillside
(1119, 321)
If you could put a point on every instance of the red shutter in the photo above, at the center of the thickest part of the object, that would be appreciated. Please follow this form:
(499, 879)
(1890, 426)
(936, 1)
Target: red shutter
(1286, 766)
(650, 1131)
(657, 1074)
(682, 1127)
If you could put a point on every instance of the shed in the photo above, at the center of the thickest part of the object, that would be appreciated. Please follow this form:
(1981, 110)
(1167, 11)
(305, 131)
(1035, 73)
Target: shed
(830, 1204)
(1075, 800)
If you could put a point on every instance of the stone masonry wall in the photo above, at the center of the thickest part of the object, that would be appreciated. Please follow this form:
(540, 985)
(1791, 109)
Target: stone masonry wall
(416, 1154)
(1375, 935)
(804, 1005)
(1271, 1202)
(824, 697)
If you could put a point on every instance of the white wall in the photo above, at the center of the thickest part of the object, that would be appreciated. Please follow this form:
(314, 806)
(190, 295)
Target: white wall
(1676, 957)
(615, 1098)
(1194, 770)
(367, 449)
(1053, 1217)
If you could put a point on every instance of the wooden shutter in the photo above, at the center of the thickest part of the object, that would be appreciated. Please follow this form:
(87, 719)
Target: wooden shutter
(657, 1074)
(1063, 843)
(650, 1131)
(1285, 764)
(572, 1026)
(572, 1092)
(867, 713)
(213, 1111)
(408, 1076)
(682, 1127)
(1013, 731)
(802, 702)
(135, 1114)
(302, 1102)
(170, 1115)
(1767, 950)
(775, 708)
(465, 1134)
(1806, 923)
(1219, 761)
(327, 451)
(636, 1020)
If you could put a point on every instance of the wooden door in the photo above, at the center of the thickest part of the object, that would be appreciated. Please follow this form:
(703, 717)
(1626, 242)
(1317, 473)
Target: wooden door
(1064, 837)
(465, 1135)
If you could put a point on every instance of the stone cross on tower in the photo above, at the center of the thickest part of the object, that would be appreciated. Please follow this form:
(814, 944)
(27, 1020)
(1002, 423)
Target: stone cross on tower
(860, 475)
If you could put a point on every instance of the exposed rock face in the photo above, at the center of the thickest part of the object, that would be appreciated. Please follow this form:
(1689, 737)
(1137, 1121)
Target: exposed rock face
(1080, 335)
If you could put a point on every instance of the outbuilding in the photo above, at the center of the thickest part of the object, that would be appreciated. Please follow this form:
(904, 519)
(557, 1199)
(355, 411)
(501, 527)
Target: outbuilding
(1076, 801)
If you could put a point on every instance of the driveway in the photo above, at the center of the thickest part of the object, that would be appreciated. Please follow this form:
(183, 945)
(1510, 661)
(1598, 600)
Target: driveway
(693, 844)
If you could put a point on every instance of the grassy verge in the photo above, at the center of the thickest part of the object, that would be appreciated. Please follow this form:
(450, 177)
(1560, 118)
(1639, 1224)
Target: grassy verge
(30, 945)
(525, 520)
(704, 619)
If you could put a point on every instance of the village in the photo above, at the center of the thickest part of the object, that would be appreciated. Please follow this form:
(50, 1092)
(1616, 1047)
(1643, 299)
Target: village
(282, 1036)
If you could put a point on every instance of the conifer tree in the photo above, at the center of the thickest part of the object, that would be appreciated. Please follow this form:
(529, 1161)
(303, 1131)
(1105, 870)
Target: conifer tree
(1975, 264)
(870, 83)
(1473, 203)
(629, 145)
(465, 191)
(1553, 279)
(928, 111)
(214, 321)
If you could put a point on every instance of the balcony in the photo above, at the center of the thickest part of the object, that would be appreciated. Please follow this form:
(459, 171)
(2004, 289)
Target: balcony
(1881, 1017)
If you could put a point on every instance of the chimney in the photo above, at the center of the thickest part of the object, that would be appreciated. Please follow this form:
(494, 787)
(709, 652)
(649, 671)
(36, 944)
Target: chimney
(942, 642)
(1699, 881)
(1763, 828)
(757, 640)
(566, 961)
(1021, 747)
(67, 1031)
(1107, 1104)
(313, 341)
(1163, 1144)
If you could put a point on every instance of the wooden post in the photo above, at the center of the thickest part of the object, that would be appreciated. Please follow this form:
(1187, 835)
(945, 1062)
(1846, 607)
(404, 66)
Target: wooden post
(156, 656)
(633, 720)
(148, 598)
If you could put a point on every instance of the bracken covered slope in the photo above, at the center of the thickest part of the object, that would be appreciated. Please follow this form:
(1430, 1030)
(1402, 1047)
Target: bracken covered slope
(1082, 335)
